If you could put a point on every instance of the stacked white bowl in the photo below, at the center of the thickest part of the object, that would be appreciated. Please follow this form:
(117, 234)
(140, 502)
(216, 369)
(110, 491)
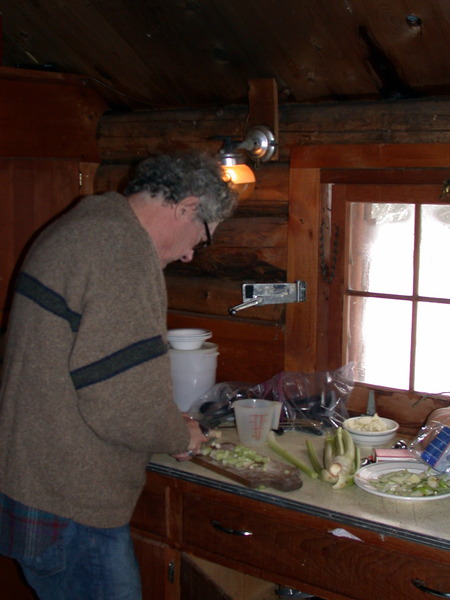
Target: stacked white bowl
(188, 339)
(193, 364)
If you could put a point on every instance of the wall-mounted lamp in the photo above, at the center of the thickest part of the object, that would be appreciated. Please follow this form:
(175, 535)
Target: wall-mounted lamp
(259, 144)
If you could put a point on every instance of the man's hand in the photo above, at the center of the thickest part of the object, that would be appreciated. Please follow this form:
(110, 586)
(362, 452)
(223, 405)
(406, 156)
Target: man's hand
(198, 438)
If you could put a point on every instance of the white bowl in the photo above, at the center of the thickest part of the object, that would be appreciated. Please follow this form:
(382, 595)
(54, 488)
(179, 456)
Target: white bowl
(188, 333)
(188, 339)
(205, 348)
(372, 439)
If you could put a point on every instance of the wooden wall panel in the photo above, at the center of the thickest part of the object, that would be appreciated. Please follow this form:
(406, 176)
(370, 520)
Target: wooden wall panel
(48, 129)
(34, 191)
(48, 115)
(214, 296)
(111, 176)
(302, 318)
(376, 156)
(249, 352)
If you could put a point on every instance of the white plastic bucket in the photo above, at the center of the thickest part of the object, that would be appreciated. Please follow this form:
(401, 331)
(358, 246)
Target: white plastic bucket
(193, 373)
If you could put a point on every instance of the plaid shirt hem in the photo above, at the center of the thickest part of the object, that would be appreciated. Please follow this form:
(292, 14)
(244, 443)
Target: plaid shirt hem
(26, 532)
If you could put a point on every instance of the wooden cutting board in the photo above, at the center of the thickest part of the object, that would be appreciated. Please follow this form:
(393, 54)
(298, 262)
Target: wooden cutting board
(276, 475)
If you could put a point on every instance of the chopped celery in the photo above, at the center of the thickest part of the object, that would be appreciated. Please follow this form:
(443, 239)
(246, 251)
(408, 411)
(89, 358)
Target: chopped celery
(406, 483)
(240, 457)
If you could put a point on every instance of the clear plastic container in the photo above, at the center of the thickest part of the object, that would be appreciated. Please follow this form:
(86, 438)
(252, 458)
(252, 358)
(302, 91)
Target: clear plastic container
(193, 373)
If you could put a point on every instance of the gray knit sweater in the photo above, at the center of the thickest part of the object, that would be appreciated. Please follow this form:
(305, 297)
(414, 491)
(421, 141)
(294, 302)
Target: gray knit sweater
(86, 395)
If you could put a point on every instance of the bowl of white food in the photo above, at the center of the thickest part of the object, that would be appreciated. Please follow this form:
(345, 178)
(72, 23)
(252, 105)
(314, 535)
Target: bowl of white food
(371, 432)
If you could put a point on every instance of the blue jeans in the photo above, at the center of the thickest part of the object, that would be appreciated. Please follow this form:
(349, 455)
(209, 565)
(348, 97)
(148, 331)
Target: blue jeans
(87, 563)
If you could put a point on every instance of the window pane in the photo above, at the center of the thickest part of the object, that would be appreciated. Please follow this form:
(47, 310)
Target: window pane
(433, 334)
(434, 274)
(379, 340)
(381, 248)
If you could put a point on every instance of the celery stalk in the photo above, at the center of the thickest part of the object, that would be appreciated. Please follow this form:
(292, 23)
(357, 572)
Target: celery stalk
(288, 457)
(328, 452)
(327, 477)
(313, 457)
(344, 480)
(339, 442)
(341, 459)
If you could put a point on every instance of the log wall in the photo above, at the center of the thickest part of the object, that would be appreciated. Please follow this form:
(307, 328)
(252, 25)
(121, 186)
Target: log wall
(253, 245)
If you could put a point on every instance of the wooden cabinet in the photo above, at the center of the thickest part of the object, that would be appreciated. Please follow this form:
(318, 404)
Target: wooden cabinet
(160, 568)
(291, 548)
(304, 550)
(48, 157)
(154, 533)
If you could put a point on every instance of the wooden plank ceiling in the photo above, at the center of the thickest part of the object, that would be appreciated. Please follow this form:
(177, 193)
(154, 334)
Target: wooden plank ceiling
(152, 54)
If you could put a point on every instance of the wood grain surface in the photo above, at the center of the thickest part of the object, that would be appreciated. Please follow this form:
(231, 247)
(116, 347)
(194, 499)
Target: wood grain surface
(276, 475)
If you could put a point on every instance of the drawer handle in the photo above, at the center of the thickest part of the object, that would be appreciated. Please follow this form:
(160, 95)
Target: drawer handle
(220, 527)
(420, 584)
(171, 571)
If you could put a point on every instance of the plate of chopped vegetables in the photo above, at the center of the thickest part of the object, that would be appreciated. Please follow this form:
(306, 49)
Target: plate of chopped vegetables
(403, 480)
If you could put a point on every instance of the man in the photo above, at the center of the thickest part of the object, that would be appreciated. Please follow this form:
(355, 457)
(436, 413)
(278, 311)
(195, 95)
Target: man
(86, 393)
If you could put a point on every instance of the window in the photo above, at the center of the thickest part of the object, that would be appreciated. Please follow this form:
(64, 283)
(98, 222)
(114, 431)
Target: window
(396, 306)
(382, 300)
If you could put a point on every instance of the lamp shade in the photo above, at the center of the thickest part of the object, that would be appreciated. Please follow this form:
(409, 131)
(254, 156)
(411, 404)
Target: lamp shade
(259, 144)
(241, 177)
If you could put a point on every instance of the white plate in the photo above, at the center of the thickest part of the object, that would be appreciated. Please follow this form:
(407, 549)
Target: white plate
(364, 476)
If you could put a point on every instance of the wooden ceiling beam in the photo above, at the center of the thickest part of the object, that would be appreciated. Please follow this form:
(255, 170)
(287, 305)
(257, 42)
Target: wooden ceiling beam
(263, 106)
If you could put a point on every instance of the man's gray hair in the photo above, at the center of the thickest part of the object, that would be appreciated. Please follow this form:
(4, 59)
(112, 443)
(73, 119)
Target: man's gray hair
(176, 177)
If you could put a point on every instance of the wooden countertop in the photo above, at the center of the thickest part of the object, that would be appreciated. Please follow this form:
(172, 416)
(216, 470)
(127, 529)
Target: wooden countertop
(424, 522)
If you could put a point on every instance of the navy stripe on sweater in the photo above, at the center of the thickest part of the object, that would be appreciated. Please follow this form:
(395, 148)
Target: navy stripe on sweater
(120, 361)
(35, 290)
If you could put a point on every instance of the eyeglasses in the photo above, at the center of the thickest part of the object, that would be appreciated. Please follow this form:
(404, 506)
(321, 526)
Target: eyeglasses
(206, 242)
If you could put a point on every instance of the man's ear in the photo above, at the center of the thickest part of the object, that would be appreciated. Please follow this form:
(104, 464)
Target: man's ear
(186, 207)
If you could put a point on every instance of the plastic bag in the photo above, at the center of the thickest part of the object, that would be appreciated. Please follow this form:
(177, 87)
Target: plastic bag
(215, 407)
(432, 446)
(311, 401)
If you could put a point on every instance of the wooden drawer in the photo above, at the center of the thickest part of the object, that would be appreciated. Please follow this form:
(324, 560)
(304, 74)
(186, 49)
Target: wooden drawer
(151, 512)
(299, 548)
